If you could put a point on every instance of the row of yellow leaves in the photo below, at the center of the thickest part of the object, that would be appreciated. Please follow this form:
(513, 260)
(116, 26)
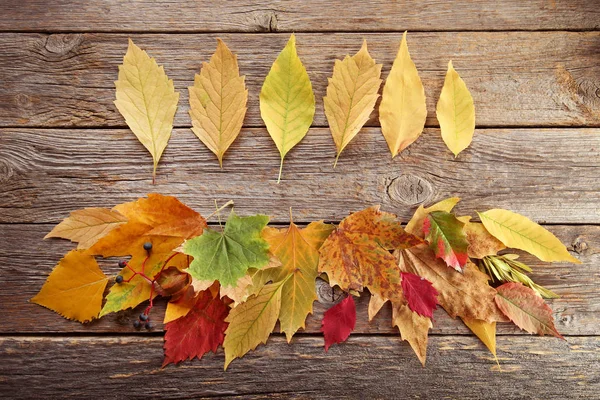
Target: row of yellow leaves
(148, 101)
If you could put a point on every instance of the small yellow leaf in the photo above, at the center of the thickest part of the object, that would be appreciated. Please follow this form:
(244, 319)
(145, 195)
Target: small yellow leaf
(456, 112)
(415, 225)
(519, 232)
(403, 110)
(87, 226)
(218, 101)
(147, 100)
(413, 329)
(485, 331)
(75, 287)
(375, 304)
(287, 102)
(351, 96)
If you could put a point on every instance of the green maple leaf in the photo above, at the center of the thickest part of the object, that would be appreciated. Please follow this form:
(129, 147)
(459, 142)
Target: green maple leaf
(226, 256)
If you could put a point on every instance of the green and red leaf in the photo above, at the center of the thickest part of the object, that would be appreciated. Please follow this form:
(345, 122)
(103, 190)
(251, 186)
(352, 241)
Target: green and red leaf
(446, 237)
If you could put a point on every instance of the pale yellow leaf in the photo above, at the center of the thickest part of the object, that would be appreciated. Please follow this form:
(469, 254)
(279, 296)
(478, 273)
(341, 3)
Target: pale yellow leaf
(287, 102)
(413, 328)
(456, 112)
(147, 100)
(75, 287)
(402, 111)
(218, 101)
(415, 225)
(251, 323)
(519, 232)
(351, 96)
(87, 226)
(485, 331)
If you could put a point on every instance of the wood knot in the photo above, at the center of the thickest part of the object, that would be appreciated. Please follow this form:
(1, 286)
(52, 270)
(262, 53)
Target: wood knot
(6, 171)
(62, 43)
(410, 190)
(267, 21)
(326, 294)
(579, 245)
(22, 101)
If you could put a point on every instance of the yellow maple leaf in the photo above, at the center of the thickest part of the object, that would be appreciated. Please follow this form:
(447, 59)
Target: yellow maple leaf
(87, 226)
(287, 101)
(519, 232)
(147, 100)
(75, 287)
(298, 250)
(413, 328)
(351, 96)
(403, 110)
(456, 112)
(218, 101)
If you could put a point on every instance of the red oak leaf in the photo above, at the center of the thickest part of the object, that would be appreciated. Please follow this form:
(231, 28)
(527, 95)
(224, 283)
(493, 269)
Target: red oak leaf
(338, 322)
(420, 294)
(200, 331)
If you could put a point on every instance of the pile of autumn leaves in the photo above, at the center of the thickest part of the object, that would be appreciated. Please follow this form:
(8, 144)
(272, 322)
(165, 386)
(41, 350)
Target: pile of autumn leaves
(148, 101)
(230, 285)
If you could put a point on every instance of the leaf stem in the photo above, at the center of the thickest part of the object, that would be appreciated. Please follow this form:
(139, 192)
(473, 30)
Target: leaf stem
(229, 203)
(280, 169)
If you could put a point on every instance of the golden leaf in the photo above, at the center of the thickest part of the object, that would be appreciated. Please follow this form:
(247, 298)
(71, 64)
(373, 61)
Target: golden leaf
(218, 101)
(403, 110)
(485, 331)
(456, 112)
(287, 102)
(147, 100)
(351, 96)
(413, 328)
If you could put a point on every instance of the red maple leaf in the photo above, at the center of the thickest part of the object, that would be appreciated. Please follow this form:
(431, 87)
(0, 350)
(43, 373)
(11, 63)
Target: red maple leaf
(420, 294)
(200, 331)
(339, 321)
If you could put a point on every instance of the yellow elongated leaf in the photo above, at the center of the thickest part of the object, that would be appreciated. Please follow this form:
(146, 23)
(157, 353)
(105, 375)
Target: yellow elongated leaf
(87, 226)
(251, 323)
(147, 100)
(403, 110)
(287, 102)
(351, 96)
(485, 331)
(519, 232)
(218, 101)
(456, 112)
(75, 287)
(298, 250)
(415, 225)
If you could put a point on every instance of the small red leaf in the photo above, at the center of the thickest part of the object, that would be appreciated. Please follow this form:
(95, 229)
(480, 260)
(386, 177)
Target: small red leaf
(526, 309)
(420, 294)
(200, 331)
(339, 321)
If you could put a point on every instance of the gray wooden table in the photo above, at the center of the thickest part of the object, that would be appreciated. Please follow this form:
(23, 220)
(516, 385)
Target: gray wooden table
(533, 69)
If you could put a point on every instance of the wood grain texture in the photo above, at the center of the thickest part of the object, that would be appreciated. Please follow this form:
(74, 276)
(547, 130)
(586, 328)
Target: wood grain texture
(364, 367)
(285, 16)
(516, 78)
(27, 260)
(549, 175)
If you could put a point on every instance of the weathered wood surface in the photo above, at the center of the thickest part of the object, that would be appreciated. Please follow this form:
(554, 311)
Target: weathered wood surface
(365, 368)
(285, 16)
(27, 260)
(550, 175)
(516, 78)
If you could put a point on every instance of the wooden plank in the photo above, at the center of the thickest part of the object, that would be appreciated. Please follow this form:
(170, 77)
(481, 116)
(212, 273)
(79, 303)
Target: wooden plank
(23, 272)
(364, 367)
(516, 78)
(282, 16)
(550, 175)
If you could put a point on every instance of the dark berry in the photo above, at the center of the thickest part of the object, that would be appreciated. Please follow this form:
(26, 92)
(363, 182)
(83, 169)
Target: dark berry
(137, 324)
(147, 246)
(122, 263)
(119, 278)
(143, 317)
(149, 325)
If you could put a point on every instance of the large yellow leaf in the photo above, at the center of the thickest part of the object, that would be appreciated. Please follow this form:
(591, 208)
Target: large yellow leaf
(351, 96)
(298, 250)
(403, 111)
(218, 101)
(87, 226)
(456, 112)
(415, 225)
(75, 287)
(485, 331)
(287, 102)
(519, 232)
(251, 323)
(147, 100)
